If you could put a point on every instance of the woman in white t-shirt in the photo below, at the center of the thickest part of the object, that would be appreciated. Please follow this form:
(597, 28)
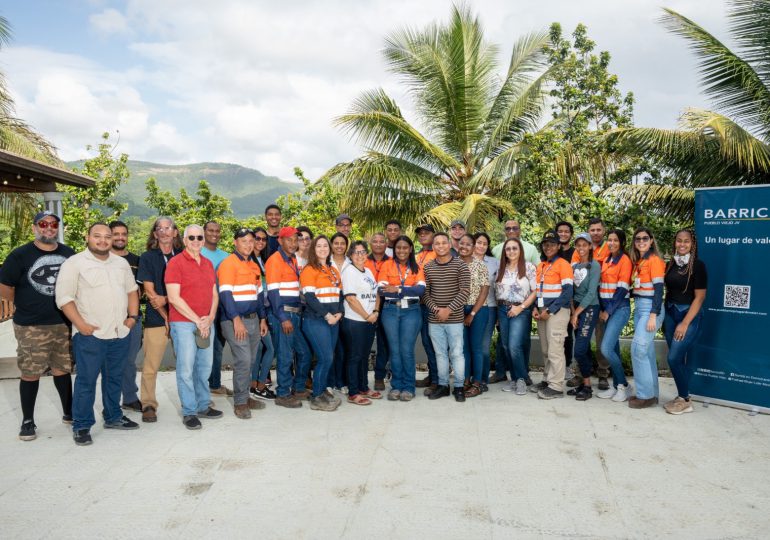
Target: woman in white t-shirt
(358, 326)
(483, 252)
(515, 290)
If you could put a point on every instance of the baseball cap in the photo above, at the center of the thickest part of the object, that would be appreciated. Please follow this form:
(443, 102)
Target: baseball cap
(45, 214)
(243, 231)
(425, 227)
(459, 222)
(286, 232)
(550, 236)
(343, 217)
(583, 236)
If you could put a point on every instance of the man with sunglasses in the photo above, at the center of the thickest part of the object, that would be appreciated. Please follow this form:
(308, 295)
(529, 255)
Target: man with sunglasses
(28, 279)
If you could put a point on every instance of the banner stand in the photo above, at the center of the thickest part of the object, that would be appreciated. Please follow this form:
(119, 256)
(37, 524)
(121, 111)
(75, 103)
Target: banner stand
(753, 410)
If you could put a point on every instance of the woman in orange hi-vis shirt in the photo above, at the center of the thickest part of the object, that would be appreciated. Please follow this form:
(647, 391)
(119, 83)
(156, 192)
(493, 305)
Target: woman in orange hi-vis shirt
(321, 284)
(614, 285)
(647, 283)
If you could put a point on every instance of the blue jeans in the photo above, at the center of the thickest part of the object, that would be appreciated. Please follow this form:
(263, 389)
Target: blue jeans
(128, 385)
(337, 372)
(323, 339)
(193, 367)
(643, 358)
(357, 337)
(586, 323)
(448, 344)
(486, 345)
(679, 360)
(427, 344)
(513, 335)
(473, 343)
(401, 327)
(610, 346)
(286, 347)
(260, 368)
(381, 362)
(215, 379)
(94, 356)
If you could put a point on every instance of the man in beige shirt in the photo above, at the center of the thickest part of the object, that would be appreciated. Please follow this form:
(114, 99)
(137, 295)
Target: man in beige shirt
(97, 292)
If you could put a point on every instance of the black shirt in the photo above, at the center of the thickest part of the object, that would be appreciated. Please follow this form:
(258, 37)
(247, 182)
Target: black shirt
(676, 280)
(566, 254)
(272, 245)
(133, 262)
(152, 269)
(32, 272)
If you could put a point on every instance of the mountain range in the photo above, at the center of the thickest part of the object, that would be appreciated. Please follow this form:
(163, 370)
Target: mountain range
(248, 189)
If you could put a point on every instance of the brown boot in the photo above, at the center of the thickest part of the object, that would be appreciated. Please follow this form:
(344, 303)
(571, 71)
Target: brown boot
(242, 411)
(422, 383)
(254, 404)
(379, 384)
(290, 402)
(302, 394)
(428, 391)
(148, 414)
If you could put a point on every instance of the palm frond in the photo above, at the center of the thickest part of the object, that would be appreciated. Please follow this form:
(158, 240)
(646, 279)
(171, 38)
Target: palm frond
(729, 80)
(749, 24)
(667, 200)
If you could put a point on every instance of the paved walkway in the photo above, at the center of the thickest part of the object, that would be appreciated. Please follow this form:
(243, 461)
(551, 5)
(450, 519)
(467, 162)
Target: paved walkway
(498, 466)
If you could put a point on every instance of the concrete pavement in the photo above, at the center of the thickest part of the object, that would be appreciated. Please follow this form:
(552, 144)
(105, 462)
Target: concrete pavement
(497, 466)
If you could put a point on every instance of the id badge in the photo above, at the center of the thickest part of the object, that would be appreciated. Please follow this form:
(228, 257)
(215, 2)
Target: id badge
(637, 282)
(404, 303)
(540, 302)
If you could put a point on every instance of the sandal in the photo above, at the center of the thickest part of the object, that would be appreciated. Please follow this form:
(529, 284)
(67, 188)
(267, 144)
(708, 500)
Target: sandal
(358, 399)
(372, 394)
(473, 390)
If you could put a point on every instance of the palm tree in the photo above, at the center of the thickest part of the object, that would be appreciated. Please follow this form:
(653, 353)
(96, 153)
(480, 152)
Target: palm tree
(730, 147)
(474, 121)
(17, 209)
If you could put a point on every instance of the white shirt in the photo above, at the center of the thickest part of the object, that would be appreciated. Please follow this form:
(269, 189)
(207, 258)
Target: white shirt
(492, 266)
(363, 286)
(515, 288)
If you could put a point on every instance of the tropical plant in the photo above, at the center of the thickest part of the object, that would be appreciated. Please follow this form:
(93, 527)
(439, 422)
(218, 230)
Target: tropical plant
(461, 163)
(730, 147)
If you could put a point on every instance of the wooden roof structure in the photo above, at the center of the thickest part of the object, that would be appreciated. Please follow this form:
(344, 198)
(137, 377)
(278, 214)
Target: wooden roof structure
(21, 174)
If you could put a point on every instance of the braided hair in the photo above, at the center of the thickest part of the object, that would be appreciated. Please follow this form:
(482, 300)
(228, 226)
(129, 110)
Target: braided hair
(690, 267)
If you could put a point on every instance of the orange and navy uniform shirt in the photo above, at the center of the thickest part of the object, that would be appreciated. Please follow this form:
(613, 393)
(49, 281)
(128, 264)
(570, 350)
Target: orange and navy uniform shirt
(554, 281)
(282, 274)
(424, 257)
(240, 287)
(322, 289)
(376, 266)
(412, 283)
(600, 254)
(614, 283)
(649, 272)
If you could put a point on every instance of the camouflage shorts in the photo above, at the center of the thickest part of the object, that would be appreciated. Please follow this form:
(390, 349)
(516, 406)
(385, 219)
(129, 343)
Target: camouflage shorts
(42, 347)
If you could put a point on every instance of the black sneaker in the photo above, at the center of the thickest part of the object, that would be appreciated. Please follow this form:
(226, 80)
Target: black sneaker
(535, 388)
(604, 384)
(574, 391)
(528, 381)
(459, 394)
(124, 423)
(210, 414)
(266, 393)
(584, 393)
(439, 392)
(133, 406)
(549, 393)
(191, 422)
(27, 432)
(66, 419)
(484, 387)
(82, 437)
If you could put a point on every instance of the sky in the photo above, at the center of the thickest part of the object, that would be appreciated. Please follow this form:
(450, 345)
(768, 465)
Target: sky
(259, 82)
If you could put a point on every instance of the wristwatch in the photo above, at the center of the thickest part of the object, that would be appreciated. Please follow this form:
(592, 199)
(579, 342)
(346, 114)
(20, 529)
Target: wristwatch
(137, 318)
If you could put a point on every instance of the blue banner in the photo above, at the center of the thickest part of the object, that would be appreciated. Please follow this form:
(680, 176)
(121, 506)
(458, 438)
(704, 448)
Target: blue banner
(732, 358)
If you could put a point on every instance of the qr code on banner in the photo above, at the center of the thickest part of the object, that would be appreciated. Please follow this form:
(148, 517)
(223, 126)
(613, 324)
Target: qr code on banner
(737, 296)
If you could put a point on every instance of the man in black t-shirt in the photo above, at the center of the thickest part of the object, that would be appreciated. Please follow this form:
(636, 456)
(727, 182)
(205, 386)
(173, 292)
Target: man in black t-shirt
(162, 244)
(28, 279)
(128, 387)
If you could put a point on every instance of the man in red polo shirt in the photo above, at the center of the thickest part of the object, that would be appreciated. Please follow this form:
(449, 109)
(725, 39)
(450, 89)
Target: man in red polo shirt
(192, 295)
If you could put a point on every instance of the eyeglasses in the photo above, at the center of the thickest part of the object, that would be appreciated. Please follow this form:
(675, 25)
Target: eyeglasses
(304, 239)
(48, 224)
(512, 248)
(360, 252)
(164, 228)
(642, 239)
(261, 239)
(193, 238)
(510, 229)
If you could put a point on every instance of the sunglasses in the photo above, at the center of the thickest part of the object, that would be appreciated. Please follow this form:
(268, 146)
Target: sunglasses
(642, 239)
(261, 239)
(48, 224)
(193, 238)
(509, 229)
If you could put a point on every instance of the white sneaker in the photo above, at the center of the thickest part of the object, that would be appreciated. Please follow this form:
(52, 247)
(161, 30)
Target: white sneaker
(521, 387)
(510, 386)
(607, 394)
(621, 394)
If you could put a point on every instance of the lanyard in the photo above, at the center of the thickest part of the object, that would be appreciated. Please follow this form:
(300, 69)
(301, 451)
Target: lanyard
(406, 275)
(332, 278)
(545, 271)
(292, 262)
(167, 257)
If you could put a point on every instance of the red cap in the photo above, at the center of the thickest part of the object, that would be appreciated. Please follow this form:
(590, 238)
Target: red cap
(286, 232)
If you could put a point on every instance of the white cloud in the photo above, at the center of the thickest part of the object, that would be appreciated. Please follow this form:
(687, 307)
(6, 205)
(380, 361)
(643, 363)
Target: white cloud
(258, 83)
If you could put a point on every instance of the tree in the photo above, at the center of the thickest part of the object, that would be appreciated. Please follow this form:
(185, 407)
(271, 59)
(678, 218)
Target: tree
(730, 147)
(85, 206)
(474, 121)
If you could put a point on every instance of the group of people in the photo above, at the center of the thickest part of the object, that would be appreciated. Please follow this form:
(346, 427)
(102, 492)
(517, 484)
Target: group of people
(314, 306)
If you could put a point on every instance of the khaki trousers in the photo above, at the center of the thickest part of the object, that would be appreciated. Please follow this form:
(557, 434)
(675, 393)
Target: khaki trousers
(552, 334)
(155, 343)
(602, 364)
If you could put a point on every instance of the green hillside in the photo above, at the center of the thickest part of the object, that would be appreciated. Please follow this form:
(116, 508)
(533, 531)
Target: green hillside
(248, 189)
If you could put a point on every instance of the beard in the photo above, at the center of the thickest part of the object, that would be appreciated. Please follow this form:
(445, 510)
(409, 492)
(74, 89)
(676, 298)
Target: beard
(100, 252)
(119, 245)
(46, 239)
